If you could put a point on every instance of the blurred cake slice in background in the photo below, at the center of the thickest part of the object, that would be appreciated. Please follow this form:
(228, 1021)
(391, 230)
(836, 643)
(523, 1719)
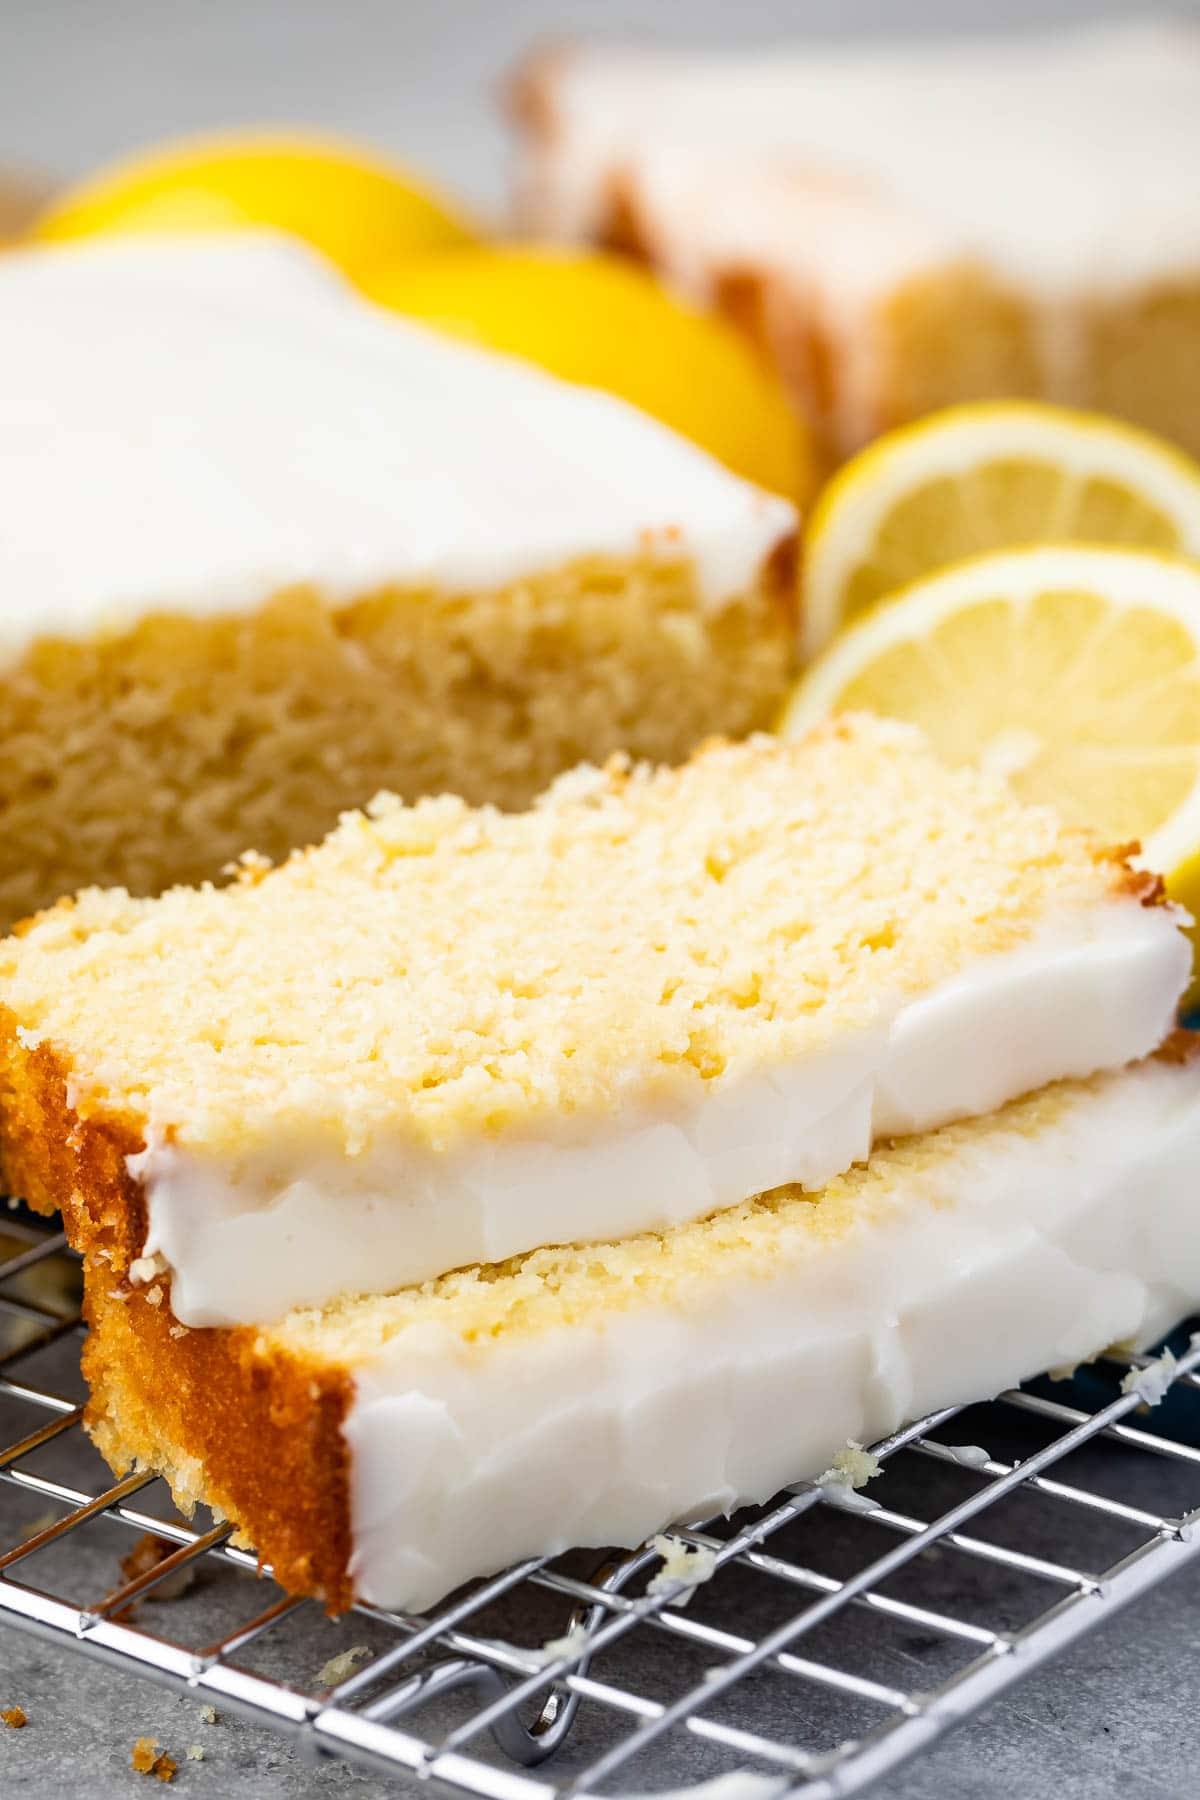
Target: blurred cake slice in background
(268, 548)
(905, 227)
(22, 196)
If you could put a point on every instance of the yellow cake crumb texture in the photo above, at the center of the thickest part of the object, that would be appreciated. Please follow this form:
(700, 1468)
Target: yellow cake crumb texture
(439, 970)
(152, 756)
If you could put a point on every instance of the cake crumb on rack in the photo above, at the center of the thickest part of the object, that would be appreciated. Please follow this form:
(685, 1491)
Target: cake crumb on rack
(14, 1717)
(691, 1564)
(43, 1522)
(556, 1648)
(146, 1554)
(341, 1665)
(209, 1714)
(195, 1753)
(851, 1467)
(1151, 1382)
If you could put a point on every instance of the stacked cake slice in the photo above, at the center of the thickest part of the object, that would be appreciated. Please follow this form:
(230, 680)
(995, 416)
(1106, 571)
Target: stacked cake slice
(579, 1169)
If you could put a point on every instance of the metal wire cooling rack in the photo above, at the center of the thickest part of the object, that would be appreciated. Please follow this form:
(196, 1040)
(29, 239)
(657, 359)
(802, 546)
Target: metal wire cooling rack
(833, 1642)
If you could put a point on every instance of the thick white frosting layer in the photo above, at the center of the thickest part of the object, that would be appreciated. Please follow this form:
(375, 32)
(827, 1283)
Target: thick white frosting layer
(1017, 1255)
(247, 1239)
(191, 425)
(1070, 158)
(1067, 164)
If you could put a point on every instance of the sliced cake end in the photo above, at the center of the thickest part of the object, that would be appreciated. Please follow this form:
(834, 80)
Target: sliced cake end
(391, 1447)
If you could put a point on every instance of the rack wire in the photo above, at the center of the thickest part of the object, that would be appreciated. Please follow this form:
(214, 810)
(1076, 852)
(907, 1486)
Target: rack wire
(838, 1636)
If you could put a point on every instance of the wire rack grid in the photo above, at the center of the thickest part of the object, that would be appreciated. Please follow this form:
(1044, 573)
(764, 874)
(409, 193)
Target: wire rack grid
(837, 1635)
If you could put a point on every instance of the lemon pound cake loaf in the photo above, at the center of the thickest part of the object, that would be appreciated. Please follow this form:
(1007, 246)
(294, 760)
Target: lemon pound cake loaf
(391, 1448)
(912, 226)
(448, 1036)
(268, 548)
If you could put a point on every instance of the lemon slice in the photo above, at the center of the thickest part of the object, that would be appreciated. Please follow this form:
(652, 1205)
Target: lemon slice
(1072, 671)
(988, 477)
(601, 321)
(347, 202)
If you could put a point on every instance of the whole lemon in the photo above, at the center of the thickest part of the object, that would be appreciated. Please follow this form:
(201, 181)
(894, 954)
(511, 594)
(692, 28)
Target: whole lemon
(600, 320)
(352, 205)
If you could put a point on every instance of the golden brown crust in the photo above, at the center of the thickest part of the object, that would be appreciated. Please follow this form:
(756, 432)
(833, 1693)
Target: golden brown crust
(23, 195)
(792, 338)
(781, 578)
(1181, 1048)
(529, 90)
(1142, 885)
(57, 1161)
(264, 1425)
(246, 1427)
(620, 227)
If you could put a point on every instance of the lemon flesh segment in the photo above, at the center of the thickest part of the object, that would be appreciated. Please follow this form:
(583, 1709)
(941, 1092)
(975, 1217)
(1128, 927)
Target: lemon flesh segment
(981, 478)
(1073, 673)
(600, 321)
(351, 205)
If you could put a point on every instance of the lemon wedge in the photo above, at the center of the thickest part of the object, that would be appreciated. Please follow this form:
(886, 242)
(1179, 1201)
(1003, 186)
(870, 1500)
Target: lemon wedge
(1074, 672)
(603, 322)
(348, 203)
(988, 477)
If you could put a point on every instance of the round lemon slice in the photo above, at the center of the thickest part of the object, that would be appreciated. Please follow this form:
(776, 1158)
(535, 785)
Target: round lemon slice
(352, 205)
(1072, 671)
(988, 477)
(601, 321)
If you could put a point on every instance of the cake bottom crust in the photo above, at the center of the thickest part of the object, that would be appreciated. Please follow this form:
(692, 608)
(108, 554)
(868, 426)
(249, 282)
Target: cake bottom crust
(257, 1437)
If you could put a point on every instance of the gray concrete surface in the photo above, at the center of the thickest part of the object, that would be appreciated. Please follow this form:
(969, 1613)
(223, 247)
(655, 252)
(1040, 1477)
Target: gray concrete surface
(1112, 1720)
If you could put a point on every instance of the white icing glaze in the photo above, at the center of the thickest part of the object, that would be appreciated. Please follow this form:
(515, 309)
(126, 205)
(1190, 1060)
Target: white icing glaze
(1070, 157)
(193, 424)
(1022, 1253)
(248, 1238)
(969, 1456)
(1066, 163)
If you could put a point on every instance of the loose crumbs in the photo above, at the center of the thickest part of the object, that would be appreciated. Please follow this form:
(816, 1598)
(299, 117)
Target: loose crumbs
(147, 1759)
(338, 1667)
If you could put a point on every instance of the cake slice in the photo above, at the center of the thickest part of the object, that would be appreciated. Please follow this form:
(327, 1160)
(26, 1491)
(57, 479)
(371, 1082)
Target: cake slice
(268, 548)
(448, 1035)
(390, 1448)
(906, 226)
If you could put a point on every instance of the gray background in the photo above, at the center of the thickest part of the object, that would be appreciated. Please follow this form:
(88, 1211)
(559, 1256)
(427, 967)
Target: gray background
(82, 81)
